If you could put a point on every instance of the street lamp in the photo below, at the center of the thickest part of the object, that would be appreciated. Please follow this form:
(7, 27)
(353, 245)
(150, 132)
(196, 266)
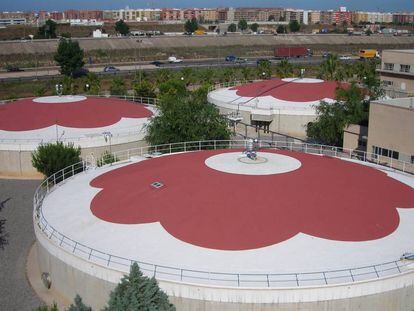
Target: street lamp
(59, 89)
(108, 137)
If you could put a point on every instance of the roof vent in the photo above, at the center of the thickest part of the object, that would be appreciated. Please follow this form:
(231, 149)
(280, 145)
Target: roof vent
(157, 184)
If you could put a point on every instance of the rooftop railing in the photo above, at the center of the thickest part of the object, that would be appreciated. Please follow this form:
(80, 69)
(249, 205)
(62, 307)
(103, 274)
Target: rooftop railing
(219, 278)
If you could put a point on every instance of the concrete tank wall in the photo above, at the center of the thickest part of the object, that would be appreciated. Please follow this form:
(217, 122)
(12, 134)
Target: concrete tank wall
(72, 275)
(18, 163)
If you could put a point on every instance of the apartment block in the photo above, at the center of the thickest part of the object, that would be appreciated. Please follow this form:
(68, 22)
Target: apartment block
(403, 18)
(391, 129)
(314, 17)
(397, 72)
(171, 14)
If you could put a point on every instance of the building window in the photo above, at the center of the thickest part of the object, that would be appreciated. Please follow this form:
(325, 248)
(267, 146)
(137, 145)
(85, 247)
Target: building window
(388, 66)
(387, 83)
(385, 152)
(405, 68)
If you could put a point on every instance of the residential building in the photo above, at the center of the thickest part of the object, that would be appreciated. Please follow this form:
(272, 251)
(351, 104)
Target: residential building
(342, 17)
(83, 15)
(314, 17)
(171, 14)
(12, 21)
(391, 129)
(397, 72)
(327, 17)
(208, 15)
(189, 14)
(294, 15)
(403, 18)
(133, 15)
(56, 16)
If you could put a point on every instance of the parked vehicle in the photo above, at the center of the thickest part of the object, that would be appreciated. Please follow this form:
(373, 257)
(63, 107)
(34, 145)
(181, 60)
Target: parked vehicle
(81, 72)
(368, 54)
(240, 60)
(263, 61)
(291, 52)
(173, 59)
(157, 63)
(110, 69)
(344, 57)
(199, 32)
(14, 69)
(230, 58)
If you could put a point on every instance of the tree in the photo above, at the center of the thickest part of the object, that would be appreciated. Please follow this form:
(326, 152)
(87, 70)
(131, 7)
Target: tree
(284, 69)
(94, 83)
(172, 87)
(79, 305)
(53, 307)
(294, 26)
(254, 27)
(137, 292)
(118, 86)
(281, 29)
(232, 27)
(350, 108)
(121, 27)
(69, 56)
(191, 25)
(242, 25)
(52, 157)
(48, 30)
(186, 116)
(144, 89)
(330, 67)
(264, 67)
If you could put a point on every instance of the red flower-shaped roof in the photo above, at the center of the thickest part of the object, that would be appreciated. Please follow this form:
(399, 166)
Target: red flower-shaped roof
(25, 114)
(289, 91)
(327, 198)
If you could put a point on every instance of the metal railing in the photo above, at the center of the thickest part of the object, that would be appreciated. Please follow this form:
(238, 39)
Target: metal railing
(260, 280)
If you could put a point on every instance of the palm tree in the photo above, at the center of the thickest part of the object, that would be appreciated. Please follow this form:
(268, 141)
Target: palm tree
(284, 69)
(330, 67)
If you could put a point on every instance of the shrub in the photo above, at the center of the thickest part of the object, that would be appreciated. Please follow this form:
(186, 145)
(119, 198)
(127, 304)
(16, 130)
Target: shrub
(137, 292)
(107, 158)
(52, 157)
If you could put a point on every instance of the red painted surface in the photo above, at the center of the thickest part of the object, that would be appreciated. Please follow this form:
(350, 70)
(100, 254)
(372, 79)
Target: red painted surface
(326, 198)
(289, 91)
(24, 115)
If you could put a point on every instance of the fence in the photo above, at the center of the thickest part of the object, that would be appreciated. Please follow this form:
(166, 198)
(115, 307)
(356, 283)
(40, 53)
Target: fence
(262, 280)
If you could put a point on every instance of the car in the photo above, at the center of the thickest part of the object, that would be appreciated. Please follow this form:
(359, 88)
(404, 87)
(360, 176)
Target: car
(110, 69)
(157, 63)
(344, 57)
(230, 58)
(263, 61)
(81, 72)
(326, 54)
(173, 59)
(14, 69)
(240, 60)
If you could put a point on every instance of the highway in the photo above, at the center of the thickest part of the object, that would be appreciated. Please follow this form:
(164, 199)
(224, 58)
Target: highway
(124, 69)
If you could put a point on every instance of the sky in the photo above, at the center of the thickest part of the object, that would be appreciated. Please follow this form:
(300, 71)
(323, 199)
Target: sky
(51, 5)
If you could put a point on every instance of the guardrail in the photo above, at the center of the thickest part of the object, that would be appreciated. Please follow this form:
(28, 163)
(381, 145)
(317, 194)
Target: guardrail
(261, 280)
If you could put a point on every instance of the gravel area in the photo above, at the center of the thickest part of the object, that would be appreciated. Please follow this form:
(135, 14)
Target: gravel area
(15, 291)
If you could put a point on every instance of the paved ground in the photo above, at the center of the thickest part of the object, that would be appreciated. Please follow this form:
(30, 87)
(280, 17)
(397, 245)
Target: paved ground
(15, 291)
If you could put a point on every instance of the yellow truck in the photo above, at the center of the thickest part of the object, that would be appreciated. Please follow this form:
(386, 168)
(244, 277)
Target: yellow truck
(368, 54)
(199, 32)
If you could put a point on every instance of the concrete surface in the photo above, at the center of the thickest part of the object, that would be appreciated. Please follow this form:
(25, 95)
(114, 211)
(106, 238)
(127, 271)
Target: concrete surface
(15, 291)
